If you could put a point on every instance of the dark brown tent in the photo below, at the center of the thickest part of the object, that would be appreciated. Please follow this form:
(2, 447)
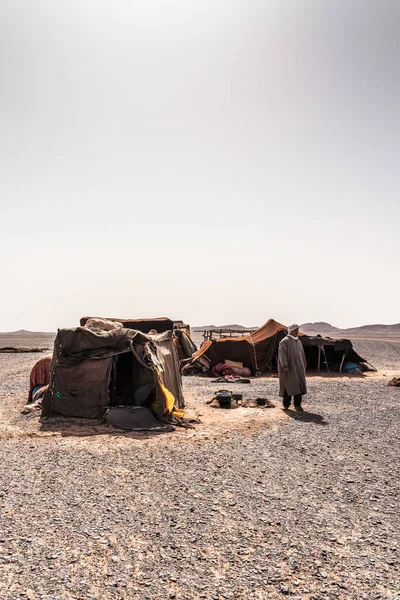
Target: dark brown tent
(258, 351)
(330, 354)
(255, 351)
(93, 369)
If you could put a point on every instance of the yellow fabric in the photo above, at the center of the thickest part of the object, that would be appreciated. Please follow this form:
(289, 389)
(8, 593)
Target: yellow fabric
(178, 413)
(169, 400)
(169, 397)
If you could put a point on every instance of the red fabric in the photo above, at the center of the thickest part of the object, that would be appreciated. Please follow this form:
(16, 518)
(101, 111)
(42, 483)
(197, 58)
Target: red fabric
(217, 370)
(243, 372)
(40, 374)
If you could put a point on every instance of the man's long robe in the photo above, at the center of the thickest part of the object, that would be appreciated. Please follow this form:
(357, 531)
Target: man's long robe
(291, 355)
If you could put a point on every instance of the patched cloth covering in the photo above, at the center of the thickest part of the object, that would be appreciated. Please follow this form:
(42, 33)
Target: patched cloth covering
(184, 344)
(103, 324)
(40, 374)
(84, 364)
(160, 324)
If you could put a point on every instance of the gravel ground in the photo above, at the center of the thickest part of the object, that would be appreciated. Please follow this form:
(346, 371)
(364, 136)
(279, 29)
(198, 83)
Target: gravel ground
(252, 504)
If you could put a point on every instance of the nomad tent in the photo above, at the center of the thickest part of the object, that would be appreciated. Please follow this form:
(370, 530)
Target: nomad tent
(258, 351)
(93, 370)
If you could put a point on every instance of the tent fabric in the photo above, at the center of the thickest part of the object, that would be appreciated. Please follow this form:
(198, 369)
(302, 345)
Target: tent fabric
(103, 324)
(80, 389)
(258, 349)
(170, 372)
(266, 340)
(239, 349)
(134, 418)
(84, 366)
(160, 324)
(267, 331)
(84, 342)
(343, 346)
(184, 344)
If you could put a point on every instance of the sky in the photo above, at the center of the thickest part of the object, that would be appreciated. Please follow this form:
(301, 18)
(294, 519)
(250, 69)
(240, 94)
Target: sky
(215, 161)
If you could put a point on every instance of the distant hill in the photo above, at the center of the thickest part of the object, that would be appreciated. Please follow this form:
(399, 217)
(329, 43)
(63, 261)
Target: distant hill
(362, 331)
(212, 327)
(26, 333)
(311, 328)
(20, 332)
(378, 329)
(324, 328)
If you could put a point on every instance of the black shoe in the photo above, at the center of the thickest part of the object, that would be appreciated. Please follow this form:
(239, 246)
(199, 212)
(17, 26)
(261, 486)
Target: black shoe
(285, 407)
(299, 409)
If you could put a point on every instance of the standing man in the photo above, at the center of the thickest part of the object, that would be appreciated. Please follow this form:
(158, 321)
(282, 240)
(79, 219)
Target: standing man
(292, 369)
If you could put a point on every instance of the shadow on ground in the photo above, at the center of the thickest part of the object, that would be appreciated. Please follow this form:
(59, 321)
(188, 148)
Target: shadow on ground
(65, 427)
(306, 417)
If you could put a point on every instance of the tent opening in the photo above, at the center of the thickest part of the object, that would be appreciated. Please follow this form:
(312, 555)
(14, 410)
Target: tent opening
(131, 384)
(316, 358)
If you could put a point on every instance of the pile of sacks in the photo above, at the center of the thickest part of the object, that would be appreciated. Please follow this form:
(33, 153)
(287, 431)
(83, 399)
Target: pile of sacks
(229, 367)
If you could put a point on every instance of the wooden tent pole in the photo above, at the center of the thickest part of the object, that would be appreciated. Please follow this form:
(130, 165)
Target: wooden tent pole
(341, 364)
(319, 358)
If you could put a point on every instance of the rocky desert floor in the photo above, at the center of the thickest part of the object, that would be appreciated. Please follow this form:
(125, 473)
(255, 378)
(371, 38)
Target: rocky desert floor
(251, 504)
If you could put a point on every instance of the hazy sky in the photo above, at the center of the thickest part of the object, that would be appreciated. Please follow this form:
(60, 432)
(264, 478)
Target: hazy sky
(212, 161)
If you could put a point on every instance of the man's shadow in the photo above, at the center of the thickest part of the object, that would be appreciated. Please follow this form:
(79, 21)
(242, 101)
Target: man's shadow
(306, 417)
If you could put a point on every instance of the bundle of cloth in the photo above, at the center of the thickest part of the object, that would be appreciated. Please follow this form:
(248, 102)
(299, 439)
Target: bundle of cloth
(40, 375)
(38, 383)
(104, 324)
(229, 367)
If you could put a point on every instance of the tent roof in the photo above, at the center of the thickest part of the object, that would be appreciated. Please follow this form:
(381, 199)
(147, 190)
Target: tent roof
(160, 324)
(92, 343)
(268, 330)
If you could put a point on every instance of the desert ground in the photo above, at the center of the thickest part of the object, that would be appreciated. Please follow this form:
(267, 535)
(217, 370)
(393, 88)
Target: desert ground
(250, 504)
